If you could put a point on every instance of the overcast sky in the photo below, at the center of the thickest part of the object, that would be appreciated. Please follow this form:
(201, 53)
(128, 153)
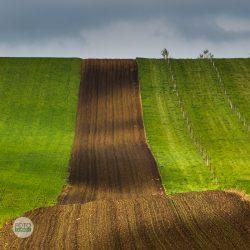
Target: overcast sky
(130, 28)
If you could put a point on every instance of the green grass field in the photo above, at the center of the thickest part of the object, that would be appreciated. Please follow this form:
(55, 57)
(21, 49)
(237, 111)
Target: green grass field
(214, 124)
(38, 101)
(236, 78)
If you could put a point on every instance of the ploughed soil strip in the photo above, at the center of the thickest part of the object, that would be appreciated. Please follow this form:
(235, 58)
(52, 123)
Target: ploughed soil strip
(205, 220)
(115, 199)
(110, 157)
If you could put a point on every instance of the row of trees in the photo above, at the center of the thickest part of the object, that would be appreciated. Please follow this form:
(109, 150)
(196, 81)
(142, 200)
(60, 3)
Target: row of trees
(206, 54)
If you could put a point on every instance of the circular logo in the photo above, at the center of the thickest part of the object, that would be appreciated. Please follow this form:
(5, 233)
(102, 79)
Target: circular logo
(23, 227)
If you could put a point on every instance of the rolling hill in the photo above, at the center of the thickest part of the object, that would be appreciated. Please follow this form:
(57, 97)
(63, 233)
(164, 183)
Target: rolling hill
(198, 140)
(38, 102)
(195, 126)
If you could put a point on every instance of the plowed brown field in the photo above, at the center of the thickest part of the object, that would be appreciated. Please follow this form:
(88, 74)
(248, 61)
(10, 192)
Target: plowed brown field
(206, 220)
(115, 199)
(110, 157)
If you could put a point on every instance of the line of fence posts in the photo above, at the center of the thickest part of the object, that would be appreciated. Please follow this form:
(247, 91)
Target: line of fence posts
(197, 142)
(241, 118)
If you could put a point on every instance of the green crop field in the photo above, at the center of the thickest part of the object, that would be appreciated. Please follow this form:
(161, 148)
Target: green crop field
(38, 101)
(214, 124)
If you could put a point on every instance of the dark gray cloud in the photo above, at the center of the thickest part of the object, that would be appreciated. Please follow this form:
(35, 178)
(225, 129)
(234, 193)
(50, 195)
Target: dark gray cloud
(35, 23)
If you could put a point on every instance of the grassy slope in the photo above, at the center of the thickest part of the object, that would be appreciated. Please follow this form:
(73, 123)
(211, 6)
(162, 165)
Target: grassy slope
(236, 78)
(38, 100)
(227, 142)
(181, 166)
(213, 122)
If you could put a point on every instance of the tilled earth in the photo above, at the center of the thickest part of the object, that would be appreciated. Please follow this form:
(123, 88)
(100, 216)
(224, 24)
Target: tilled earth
(115, 199)
(110, 157)
(202, 220)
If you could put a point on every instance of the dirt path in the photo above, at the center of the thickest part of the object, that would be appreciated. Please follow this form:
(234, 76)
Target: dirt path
(110, 158)
(116, 199)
